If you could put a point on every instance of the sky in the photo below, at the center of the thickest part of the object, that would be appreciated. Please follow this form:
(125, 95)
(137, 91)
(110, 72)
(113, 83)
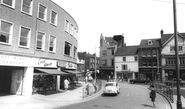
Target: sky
(134, 19)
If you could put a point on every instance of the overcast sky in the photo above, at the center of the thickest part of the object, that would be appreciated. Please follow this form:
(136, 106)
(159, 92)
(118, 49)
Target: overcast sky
(135, 19)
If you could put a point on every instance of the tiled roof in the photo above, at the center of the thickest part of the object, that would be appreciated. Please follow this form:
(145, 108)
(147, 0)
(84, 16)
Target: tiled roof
(126, 50)
(110, 40)
(155, 43)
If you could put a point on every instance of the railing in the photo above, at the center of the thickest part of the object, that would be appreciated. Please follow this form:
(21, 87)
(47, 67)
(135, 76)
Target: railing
(90, 89)
(165, 90)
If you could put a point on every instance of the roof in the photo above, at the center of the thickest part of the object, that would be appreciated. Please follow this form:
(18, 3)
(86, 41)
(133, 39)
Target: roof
(126, 50)
(165, 38)
(110, 40)
(155, 43)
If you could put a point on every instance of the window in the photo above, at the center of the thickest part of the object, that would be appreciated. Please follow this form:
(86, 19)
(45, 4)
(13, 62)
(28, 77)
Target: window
(154, 52)
(124, 67)
(71, 29)
(149, 52)
(170, 61)
(144, 53)
(67, 48)
(124, 58)
(67, 26)
(42, 12)
(104, 62)
(53, 18)
(75, 33)
(150, 42)
(27, 6)
(172, 48)
(52, 44)
(154, 62)
(112, 51)
(24, 37)
(112, 62)
(5, 32)
(40, 41)
(9, 3)
(75, 52)
(104, 53)
(144, 62)
(135, 58)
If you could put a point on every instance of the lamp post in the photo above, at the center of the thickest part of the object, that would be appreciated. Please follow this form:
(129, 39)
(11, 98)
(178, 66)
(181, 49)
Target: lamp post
(179, 104)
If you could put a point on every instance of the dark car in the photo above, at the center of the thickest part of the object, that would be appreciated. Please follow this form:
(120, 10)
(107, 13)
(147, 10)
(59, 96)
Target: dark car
(133, 81)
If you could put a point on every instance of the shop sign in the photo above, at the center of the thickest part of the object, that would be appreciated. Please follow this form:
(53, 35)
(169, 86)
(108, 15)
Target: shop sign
(46, 63)
(67, 65)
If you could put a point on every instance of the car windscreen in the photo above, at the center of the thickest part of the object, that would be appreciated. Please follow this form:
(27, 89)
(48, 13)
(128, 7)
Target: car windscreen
(109, 84)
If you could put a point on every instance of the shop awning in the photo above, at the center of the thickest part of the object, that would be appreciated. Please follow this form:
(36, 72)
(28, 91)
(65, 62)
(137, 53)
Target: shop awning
(51, 71)
(72, 71)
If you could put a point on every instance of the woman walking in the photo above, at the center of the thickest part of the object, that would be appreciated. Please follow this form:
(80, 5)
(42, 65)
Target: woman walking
(153, 95)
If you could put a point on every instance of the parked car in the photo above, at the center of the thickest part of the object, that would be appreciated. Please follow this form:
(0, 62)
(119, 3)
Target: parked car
(133, 81)
(111, 88)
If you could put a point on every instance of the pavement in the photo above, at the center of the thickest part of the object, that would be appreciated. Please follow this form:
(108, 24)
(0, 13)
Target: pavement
(48, 101)
(55, 100)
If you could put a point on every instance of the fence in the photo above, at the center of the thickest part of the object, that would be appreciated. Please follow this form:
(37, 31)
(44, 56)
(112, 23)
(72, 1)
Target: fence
(165, 90)
(90, 89)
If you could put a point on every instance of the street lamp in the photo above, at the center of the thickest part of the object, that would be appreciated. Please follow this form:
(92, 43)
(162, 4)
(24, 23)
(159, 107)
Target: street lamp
(179, 104)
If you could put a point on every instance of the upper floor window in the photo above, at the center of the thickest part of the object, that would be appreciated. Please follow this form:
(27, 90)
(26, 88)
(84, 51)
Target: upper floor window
(67, 48)
(135, 58)
(124, 67)
(54, 18)
(67, 26)
(27, 6)
(71, 29)
(144, 53)
(104, 62)
(9, 3)
(154, 52)
(24, 37)
(40, 41)
(5, 32)
(112, 62)
(150, 42)
(124, 58)
(112, 51)
(104, 53)
(75, 33)
(149, 52)
(75, 52)
(42, 12)
(52, 44)
(172, 48)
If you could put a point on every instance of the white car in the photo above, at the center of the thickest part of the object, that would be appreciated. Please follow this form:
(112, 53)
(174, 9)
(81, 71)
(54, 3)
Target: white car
(111, 88)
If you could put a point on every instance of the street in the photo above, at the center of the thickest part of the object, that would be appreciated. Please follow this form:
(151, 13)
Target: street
(131, 97)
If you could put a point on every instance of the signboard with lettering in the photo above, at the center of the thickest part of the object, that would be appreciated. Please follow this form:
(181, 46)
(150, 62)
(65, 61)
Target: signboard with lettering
(67, 65)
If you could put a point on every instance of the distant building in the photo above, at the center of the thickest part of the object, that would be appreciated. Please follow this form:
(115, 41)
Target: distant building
(126, 62)
(108, 47)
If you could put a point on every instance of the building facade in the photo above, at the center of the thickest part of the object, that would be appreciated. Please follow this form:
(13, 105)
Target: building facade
(168, 59)
(35, 36)
(149, 59)
(126, 62)
(108, 47)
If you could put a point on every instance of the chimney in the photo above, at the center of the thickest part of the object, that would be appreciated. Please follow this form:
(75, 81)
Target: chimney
(162, 32)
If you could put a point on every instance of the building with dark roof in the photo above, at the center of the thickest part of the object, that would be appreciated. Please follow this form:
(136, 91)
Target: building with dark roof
(36, 36)
(149, 56)
(126, 62)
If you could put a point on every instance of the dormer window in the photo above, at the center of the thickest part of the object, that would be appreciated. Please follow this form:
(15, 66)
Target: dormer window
(150, 42)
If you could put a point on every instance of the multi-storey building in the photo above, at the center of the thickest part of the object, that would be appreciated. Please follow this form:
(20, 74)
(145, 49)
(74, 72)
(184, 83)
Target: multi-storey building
(108, 47)
(36, 36)
(168, 59)
(149, 59)
(126, 62)
(91, 63)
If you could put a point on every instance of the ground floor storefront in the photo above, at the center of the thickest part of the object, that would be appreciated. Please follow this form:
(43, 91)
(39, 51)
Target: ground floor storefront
(150, 74)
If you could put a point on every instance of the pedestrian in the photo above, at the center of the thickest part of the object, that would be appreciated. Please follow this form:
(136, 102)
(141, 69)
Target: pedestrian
(153, 95)
(66, 84)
